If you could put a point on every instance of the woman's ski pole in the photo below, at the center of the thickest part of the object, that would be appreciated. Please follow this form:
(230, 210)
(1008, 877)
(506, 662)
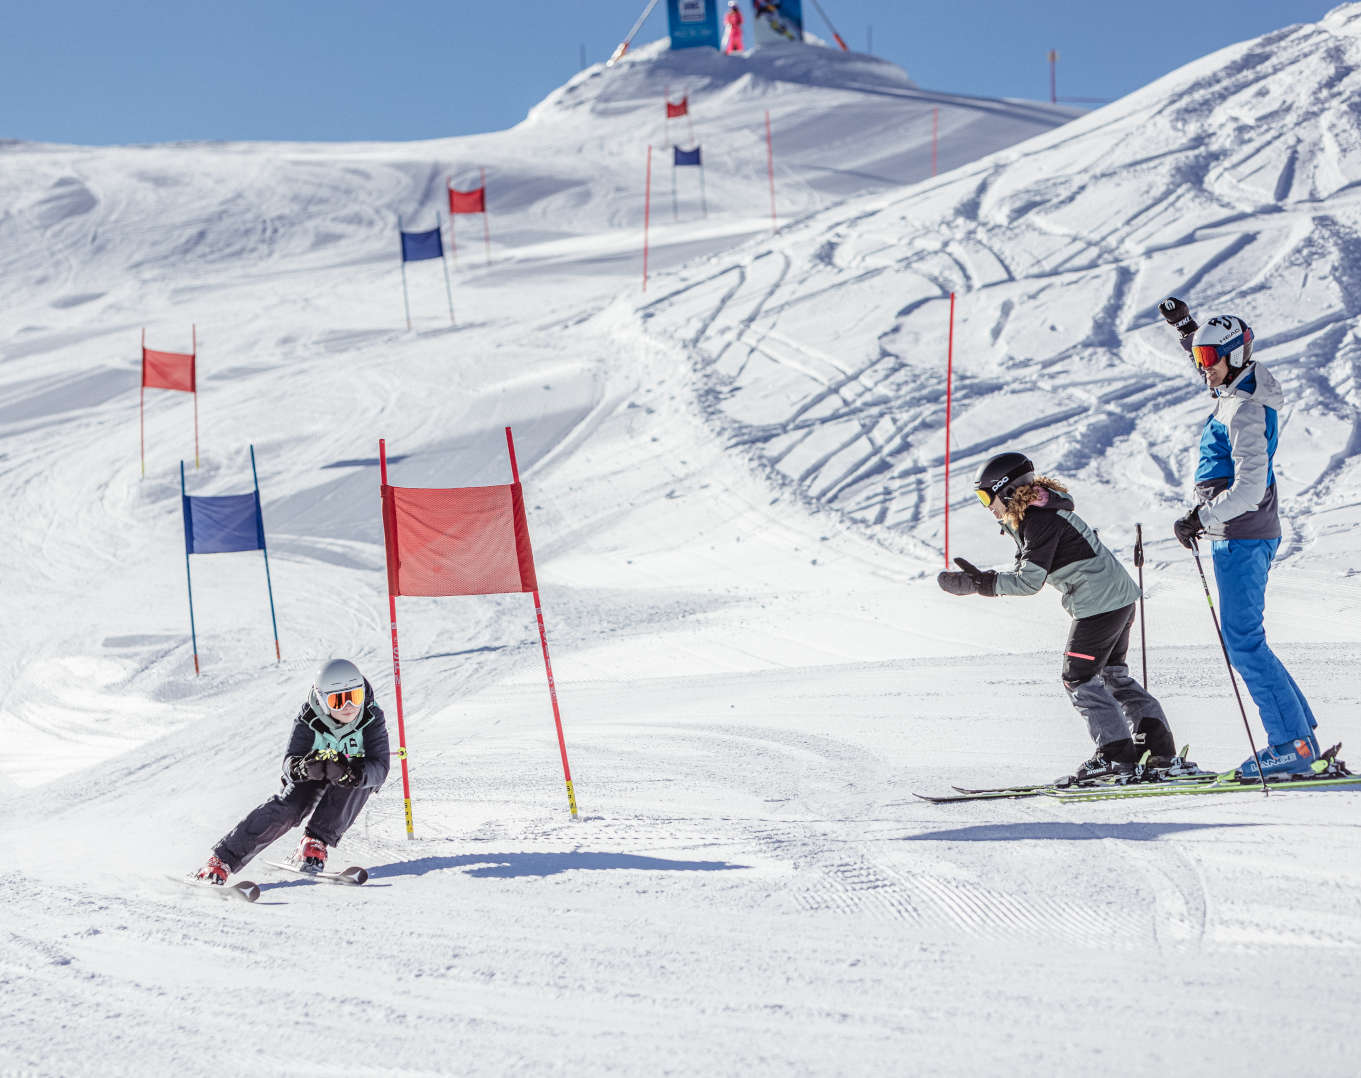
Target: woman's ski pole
(1195, 551)
(1139, 564)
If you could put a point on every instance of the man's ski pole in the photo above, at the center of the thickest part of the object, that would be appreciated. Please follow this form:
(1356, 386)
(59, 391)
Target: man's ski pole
(1139, 564)
(1195, 551)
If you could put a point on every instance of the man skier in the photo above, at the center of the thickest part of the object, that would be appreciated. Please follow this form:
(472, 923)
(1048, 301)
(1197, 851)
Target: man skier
(1055, 546)
(1236, 509)
(732, 28)
(337, 756)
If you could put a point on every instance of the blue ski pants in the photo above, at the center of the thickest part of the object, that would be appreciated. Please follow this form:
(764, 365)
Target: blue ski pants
(1241, 568)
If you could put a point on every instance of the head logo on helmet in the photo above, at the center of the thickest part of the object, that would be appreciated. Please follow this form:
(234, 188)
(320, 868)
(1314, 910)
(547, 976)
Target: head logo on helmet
(1223, 337)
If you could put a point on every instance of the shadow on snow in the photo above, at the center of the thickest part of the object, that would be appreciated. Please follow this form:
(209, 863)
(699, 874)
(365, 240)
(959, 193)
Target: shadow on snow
(1065, 832)
(542, 864)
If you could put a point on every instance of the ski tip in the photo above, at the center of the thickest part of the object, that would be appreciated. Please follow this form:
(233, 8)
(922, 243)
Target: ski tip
(246, 889)
(355, 875)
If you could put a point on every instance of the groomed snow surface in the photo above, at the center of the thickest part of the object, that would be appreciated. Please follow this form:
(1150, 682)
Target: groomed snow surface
(735, 491)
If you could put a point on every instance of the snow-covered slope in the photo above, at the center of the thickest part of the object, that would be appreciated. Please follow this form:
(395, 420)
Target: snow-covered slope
(1232, 182)
(733, 493)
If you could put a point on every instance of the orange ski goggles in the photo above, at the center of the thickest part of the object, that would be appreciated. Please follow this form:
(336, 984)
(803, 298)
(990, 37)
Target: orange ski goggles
(337, 700)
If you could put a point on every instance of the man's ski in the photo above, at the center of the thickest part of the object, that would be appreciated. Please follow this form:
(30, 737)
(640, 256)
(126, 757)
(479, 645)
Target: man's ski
(244, 890)
(1182, 778)
(354, 875)
(1178, 770)
(1228, 783)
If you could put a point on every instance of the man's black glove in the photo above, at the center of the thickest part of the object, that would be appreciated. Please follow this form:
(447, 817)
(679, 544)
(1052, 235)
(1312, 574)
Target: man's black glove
(1178, 315)
(970, 580)
(309, 768)
(349, 771)
(1188, 528)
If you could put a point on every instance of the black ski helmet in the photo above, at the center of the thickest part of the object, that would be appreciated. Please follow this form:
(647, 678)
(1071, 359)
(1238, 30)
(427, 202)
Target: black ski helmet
(999, 477)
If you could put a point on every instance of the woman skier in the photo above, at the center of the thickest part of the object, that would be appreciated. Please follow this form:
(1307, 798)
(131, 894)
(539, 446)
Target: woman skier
(732, 29)
(1055, 546)
(337, 756)
(1236, 509)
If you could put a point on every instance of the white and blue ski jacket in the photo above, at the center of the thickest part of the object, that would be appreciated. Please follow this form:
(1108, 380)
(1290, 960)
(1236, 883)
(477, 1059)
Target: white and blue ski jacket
(1235, 479)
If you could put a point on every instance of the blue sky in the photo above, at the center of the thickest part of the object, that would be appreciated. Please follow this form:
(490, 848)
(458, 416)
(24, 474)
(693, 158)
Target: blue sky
(124, 71)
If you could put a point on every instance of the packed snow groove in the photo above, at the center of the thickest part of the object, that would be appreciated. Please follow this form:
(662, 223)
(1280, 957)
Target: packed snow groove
(734, 486)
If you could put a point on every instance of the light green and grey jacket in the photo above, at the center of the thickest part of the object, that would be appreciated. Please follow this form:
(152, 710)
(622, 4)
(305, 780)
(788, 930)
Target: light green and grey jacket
(1055, 546)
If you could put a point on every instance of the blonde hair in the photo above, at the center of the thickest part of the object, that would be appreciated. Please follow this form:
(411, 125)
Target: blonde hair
(1014, 507)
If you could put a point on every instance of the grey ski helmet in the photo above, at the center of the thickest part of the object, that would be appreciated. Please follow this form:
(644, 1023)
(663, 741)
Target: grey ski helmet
(999, 477)
(1225, 336)
(338, 692)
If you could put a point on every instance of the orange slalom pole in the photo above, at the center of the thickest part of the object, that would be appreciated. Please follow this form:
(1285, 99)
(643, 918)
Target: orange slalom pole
(396, 665)
(547, 664)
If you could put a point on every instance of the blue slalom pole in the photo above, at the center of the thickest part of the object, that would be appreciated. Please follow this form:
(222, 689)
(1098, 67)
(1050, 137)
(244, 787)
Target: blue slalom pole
(184, 508)
(260, 521)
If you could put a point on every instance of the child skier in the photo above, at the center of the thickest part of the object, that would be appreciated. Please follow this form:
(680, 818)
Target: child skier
(337, 756)
(732, 29)
(1055, 545)
(1236, 509)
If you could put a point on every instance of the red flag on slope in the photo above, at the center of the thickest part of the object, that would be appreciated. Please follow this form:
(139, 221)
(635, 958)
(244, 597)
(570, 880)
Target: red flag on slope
(474, 201)
(167, 370)
(683, 109)
(457, 541)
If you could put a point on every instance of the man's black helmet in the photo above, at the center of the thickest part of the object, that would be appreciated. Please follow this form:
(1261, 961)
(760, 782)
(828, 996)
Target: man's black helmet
(1000, 477)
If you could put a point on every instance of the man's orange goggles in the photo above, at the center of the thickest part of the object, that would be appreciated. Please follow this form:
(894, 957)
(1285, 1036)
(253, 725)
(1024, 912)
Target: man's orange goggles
(336, 700)
(1207, 355)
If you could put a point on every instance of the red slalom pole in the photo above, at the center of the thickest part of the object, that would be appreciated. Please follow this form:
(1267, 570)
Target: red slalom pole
(194, 361)
(770, 171)
(949, 385)
(141, 406)
(935, 134)
(486, 228)
(396, 661)
(547, 664)
(647, 211)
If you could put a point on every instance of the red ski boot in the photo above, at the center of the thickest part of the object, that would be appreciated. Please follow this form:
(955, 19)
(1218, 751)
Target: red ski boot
(311, 855)
(214, 872)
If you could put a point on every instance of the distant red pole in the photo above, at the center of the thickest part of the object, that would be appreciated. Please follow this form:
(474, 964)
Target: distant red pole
(194, 361)
(647, 211)
(396, 662)
(935, 130)
(770, 171)
(1053, 78)
(547, 665)
(486, 228)
(949, 385)
(141, 406)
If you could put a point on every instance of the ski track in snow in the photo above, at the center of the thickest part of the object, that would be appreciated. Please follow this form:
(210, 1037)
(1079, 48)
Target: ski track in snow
(734, 486)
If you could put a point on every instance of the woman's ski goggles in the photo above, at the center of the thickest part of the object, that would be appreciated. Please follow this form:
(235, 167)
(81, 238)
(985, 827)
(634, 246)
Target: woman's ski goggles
(986, 497)
(337, 700)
